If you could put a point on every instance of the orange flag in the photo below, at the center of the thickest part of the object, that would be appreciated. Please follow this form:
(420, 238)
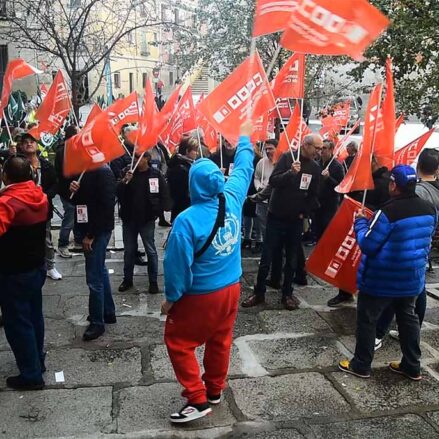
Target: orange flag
(407, 154)
(95, 110)
(260, 129)
(359, 176)
(124, 111)
(333, 27)
(342, 113)
(168, 109)
(97, 144)
(272, 16)
(290, 81)
(293, 132)
(385, 137)
(43, 90)
(399, 122)
(210, 135)
(53, 111)
(340, 147)
(226, 107)
(16, 69)
(336, 256)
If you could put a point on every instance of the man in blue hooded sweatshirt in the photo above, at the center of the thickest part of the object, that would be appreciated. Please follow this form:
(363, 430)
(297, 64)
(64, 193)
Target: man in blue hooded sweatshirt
(202, 271)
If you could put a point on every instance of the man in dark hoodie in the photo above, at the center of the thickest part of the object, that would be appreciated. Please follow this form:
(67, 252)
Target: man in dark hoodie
(23, 215)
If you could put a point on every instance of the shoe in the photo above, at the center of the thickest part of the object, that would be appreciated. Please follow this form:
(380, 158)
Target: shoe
(301, 280)
(17, 383)
(64, 252)
(109, 319)
(257, 248)
(214, 399)
(54, 274)
(164, 224)
(290, 302)
(153, 288)
(272, 284)
(378, 343)
(246, 243)
(345, 366)
(396, 367)
(253, 300)
(394, 334)
(340, 299)
(93, 332)
(125, 286)
(140, 261)
(190, 412)
(310, 243)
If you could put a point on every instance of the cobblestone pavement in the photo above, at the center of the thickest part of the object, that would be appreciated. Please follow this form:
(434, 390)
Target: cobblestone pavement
(284, 382)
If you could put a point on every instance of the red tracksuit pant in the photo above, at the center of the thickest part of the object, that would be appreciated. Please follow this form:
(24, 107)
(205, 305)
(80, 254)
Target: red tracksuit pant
(196, 320)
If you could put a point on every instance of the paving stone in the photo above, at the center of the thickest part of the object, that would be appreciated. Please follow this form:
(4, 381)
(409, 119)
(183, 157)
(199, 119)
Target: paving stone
(246, 324)
(287, 397)
(434, 417)
(94, 367)
(296, 353)
(432, 316)
(162, 367)
(56, 413)
(298, 321)
(316, 295)
(7, 368)
(404, 427)
(386, 391)
(148, 408)
(58, 333)
(278, 434)
(431, 338)
(342, 320)
(52, 306)
(432, 303)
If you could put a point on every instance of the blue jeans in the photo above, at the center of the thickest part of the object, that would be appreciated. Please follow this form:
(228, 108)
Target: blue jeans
(21, 306)
(100, 300)
(68, 224)
(130, 233)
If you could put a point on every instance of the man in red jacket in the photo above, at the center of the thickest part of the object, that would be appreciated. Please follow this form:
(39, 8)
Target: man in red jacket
(23, 215)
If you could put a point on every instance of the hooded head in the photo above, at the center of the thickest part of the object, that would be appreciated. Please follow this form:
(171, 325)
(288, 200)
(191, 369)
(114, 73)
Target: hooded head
(205, 181)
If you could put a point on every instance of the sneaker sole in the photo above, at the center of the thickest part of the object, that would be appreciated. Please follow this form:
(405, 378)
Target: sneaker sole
(192, 417)
(353, 373)
(400, 372)
(214, 401)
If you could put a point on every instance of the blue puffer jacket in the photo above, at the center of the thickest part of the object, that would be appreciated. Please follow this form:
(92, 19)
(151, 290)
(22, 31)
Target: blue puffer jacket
(395, 245)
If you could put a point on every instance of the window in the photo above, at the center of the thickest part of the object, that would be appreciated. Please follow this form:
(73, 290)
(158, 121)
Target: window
(155, 36)
(164, 13)
(130, 37)
(171, 78)
(75, 3)
(117, 80)
(176, 16)
(3, 62)
(144, 79)
(131, 82)
(3, 8)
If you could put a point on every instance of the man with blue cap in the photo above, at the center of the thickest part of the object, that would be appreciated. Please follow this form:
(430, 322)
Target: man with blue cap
(395, 244)
(202, 270)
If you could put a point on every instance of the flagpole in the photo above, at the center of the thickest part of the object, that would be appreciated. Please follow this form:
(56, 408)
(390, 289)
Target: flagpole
(300, 129)
(252, 53)
(221, 150)
(273, 60)
(138, 161)
(79, 181)
(7, 126)
(263, 162)
(285, 131)
(199, 142)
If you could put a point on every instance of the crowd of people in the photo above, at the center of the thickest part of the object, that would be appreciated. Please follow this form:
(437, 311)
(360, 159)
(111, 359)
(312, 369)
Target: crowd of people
(238, 197)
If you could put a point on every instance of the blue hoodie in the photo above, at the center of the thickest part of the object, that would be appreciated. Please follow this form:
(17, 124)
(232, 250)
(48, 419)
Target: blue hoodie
(220, 265)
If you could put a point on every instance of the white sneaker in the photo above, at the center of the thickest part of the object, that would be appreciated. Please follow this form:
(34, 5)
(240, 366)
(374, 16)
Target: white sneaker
(64, 252)
(378, 343)
(190, 413)
(54, 274)
(394, 334)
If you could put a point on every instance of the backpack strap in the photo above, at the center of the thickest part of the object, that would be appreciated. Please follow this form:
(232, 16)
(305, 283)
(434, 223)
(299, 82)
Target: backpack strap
(219, 222)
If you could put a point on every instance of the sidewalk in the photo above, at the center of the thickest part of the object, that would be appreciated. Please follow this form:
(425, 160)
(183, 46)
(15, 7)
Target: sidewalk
(284, 382)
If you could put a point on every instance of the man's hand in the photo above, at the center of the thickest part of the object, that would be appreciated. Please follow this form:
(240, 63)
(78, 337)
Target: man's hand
(166, 307)
(295, 167)
(12, 149)
(360, 214)
(87, 244)
(74, 187)
(247, 128)
(223, 170)
(325, 174)
(128, 177)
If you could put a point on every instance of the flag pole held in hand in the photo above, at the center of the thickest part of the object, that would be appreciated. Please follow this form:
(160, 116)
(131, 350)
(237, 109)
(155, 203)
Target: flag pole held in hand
(78, 182)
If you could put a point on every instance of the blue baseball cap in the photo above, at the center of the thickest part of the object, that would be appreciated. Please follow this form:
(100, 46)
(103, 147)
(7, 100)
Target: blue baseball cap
(402, 175)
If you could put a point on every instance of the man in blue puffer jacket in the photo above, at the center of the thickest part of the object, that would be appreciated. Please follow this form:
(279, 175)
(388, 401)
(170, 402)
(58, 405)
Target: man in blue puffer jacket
(395, 245)
(202, 270)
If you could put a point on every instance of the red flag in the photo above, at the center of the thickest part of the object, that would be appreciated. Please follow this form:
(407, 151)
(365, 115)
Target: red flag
(290, 81)
(342, 113)
(260, 129)
(333, 27)
(97, 144)
(272, 16)
(359, 176)
(210, 135)
(336, 257)
(408, 154)
(124, 111)
(43, 90)
(293, 132)
(95, 111)
(56, 106)
(16, 69)
(340, 150)
(168, 109)
(399, 122)
(385, 138)
(226, 107)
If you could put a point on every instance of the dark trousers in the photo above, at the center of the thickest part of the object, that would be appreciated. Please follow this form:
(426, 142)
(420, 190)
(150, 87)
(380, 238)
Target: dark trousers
(388, 314)
(322, 218)
(369, 309)
(280, 234)
(100, 301)
(21, 306)
(68, 224)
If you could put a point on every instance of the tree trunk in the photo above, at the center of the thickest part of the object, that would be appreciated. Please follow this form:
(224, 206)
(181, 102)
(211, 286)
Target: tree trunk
(75, 81)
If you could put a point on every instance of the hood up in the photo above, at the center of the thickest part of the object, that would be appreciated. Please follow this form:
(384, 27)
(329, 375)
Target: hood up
(205, 181)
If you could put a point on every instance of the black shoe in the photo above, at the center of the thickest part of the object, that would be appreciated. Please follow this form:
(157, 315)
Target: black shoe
(273, 284)
(153, 288)
(17, 383)
(109, 319)
(140, 261)
(125, 286)
(339, 299)
(246, 243)
(190, 412)
(93, 332)
(164, 224)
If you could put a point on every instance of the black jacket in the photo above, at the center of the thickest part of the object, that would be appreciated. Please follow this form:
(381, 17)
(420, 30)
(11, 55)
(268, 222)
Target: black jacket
(138, 203)
(178, 180)
(227, 160)
(48, 181)
(288, 201)
(119, 164)
(327, 195)
(98, 193)
(349, 160)
(376, 197)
